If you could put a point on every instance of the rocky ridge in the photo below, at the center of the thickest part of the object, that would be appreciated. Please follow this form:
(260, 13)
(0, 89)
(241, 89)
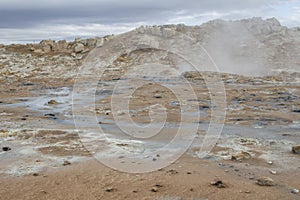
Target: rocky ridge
(249, 47)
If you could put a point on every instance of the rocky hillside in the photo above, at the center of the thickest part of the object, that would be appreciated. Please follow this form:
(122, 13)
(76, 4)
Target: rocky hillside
(251, 46)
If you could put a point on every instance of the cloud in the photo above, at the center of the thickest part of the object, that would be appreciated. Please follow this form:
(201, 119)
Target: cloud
(34, 19)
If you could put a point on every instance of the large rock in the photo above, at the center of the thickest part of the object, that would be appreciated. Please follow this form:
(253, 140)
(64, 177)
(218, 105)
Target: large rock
(47, 42)
(47, 48)
(79, 48)
(61, 45)
(265, 181)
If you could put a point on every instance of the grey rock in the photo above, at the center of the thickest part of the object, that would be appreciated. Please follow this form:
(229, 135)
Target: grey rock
(265, 181)
(79, 48)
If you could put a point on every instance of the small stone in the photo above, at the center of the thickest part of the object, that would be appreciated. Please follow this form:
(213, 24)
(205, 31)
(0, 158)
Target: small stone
(265, 181)
(296, 149)
(66, 163)
(110, 189)
(6, 148)
(270, 162)
(295, 191)
(218, 183)
(172, 171)
(241, 156)
(158, 96)
(273, 172)
(35, 174)
(52, 102)
(154, 189)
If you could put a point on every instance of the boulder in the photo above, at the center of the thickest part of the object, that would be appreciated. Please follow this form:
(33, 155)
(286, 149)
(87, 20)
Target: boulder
(241, 156)
(79, 48)
(47, 48)
(265, 181)
(61, 45)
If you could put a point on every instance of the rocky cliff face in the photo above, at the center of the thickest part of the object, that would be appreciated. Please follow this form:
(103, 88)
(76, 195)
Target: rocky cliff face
(251, 47)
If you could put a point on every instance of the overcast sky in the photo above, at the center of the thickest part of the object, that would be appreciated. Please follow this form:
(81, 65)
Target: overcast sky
(33, 20)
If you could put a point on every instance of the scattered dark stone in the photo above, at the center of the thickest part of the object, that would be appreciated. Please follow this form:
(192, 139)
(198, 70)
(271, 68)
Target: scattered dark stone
(50, 115)
(218, 183)
(52, 102)
(158, 96)
(189, 173)
(110, 189)
(23, 119)
(172, 171)
(27, 84)
(204, 107)
(35, 174)
(66, 163)
(6, 148)
(286, 134)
